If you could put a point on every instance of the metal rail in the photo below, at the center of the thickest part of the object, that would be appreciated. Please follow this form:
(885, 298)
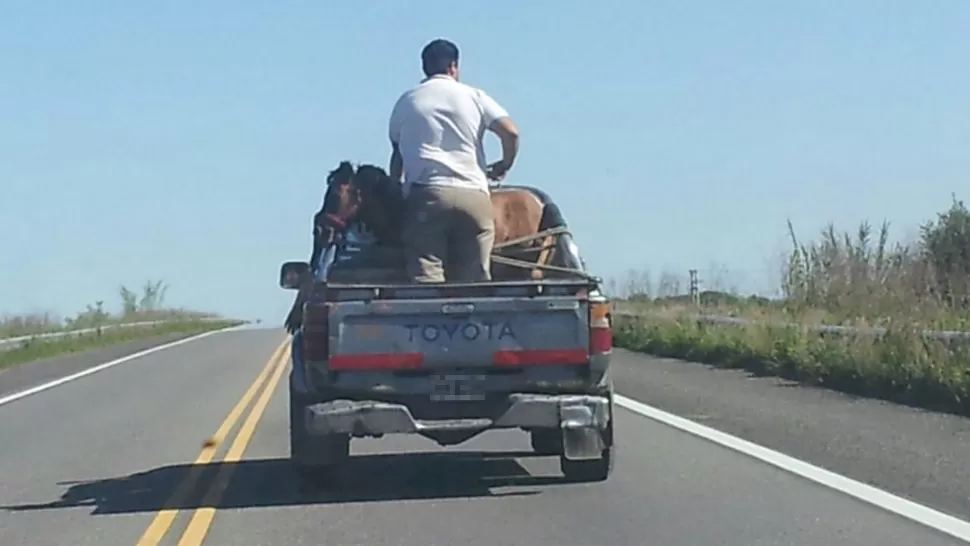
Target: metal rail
(11, 342)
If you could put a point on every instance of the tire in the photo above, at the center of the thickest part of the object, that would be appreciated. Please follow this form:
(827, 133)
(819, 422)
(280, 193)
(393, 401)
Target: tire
(314, 458)
(546, 441)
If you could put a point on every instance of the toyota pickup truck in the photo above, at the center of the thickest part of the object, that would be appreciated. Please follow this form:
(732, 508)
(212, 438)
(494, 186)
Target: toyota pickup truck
(449, 361)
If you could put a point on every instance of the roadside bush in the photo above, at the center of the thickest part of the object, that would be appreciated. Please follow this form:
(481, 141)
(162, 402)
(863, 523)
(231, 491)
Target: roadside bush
(134, 309)
(846, 280)
(900, 366)
(147, 307)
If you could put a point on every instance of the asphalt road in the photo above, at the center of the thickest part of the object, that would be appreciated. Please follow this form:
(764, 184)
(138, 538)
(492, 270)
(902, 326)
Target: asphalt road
(96, 461)
(17, 378)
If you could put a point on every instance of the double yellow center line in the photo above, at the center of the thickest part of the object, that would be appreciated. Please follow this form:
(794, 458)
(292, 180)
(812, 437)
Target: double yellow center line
(202, 516)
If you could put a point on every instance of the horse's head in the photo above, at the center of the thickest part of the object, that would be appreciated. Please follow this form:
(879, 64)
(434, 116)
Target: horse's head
(366, 195)
(340, 205)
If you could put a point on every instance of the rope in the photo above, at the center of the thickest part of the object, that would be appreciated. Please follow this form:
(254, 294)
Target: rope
(532, 265)
(526, 238)
(514, 262)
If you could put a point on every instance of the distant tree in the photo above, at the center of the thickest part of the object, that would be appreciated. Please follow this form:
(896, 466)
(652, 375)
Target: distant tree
(129, 302)
(638, 297)
(150, 296)
(93, 316)
(669, 285)
(946, 246)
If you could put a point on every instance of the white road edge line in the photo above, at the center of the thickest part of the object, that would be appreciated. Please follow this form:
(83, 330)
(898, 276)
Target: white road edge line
(68, 378)
(917, 512)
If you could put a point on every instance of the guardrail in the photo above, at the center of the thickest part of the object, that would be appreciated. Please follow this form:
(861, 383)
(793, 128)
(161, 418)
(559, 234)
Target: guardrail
(941, 335)
(11, 342)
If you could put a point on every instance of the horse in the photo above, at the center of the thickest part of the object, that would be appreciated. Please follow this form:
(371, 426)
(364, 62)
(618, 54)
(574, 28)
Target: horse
(367, 195)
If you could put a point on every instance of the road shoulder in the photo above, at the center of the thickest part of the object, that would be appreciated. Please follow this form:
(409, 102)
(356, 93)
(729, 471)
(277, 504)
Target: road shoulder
(916, 454)
(28, 375)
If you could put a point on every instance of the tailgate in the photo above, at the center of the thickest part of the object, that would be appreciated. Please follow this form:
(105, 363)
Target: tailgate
(472, 332)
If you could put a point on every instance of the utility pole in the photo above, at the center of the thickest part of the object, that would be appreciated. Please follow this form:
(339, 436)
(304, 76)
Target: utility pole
(695, 296)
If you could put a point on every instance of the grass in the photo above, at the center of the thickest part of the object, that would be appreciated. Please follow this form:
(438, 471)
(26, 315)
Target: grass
(839, 280)
(37, 349)
(900, 366)
(146, 308)
(42, 323)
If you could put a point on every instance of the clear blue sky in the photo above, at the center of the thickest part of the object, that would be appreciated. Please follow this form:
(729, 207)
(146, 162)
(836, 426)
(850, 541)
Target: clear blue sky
(189, 141)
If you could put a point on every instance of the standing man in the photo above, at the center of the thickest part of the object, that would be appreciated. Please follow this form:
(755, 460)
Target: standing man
(436, 131)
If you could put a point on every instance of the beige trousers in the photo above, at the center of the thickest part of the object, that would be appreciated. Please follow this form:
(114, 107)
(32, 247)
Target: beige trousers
(448, 234)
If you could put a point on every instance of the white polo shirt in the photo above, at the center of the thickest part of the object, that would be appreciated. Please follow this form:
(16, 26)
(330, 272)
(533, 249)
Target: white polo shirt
(439, 125)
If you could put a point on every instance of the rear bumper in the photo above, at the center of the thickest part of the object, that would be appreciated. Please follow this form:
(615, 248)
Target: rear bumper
(374, 418)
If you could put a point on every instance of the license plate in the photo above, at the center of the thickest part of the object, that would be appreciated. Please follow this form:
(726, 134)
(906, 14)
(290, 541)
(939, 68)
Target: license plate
(457, 387)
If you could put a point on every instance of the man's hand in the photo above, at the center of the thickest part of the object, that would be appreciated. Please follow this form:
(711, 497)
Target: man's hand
(508, 133)
(496, 171)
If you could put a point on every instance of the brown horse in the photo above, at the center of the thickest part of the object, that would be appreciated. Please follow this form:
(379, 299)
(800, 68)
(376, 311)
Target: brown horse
(369, 196)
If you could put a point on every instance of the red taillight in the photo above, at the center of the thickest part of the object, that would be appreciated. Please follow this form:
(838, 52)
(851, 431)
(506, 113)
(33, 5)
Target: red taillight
(376, 361)
(600, 333)
(600, 340)
(539, 356)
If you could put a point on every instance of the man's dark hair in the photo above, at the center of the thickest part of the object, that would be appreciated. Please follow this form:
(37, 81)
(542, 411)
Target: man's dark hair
(437, 56)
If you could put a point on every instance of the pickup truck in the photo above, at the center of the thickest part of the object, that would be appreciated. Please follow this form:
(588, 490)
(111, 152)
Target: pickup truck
(375, 355)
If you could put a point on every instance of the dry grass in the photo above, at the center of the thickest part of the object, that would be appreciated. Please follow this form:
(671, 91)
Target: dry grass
(900, 366)
(37, 349)
(848, 279)
(852, 279)
(148, 307)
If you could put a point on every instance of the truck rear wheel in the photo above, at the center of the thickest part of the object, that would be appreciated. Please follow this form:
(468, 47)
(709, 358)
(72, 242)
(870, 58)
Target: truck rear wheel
(313, 457)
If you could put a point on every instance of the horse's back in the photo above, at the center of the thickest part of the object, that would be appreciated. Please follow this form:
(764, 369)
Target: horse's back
(550, 216)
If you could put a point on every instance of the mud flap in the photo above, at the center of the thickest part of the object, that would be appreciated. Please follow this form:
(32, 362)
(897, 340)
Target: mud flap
(581, 437)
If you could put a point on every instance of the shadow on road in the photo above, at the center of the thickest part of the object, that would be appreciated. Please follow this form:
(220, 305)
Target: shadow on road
(271, 482)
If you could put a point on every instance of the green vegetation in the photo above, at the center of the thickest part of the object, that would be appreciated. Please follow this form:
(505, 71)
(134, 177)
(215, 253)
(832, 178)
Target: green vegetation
(839, 280)
(41, 348)
(146, 308)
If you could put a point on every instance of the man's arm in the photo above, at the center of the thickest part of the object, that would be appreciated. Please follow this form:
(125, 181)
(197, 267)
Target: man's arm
(508, 133)
(498, 121)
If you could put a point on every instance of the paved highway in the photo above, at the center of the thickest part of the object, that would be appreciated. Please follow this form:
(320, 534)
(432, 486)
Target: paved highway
(117, 457)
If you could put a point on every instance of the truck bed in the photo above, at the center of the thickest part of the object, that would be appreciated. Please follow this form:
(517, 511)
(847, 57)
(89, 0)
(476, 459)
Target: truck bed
(473, 325)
